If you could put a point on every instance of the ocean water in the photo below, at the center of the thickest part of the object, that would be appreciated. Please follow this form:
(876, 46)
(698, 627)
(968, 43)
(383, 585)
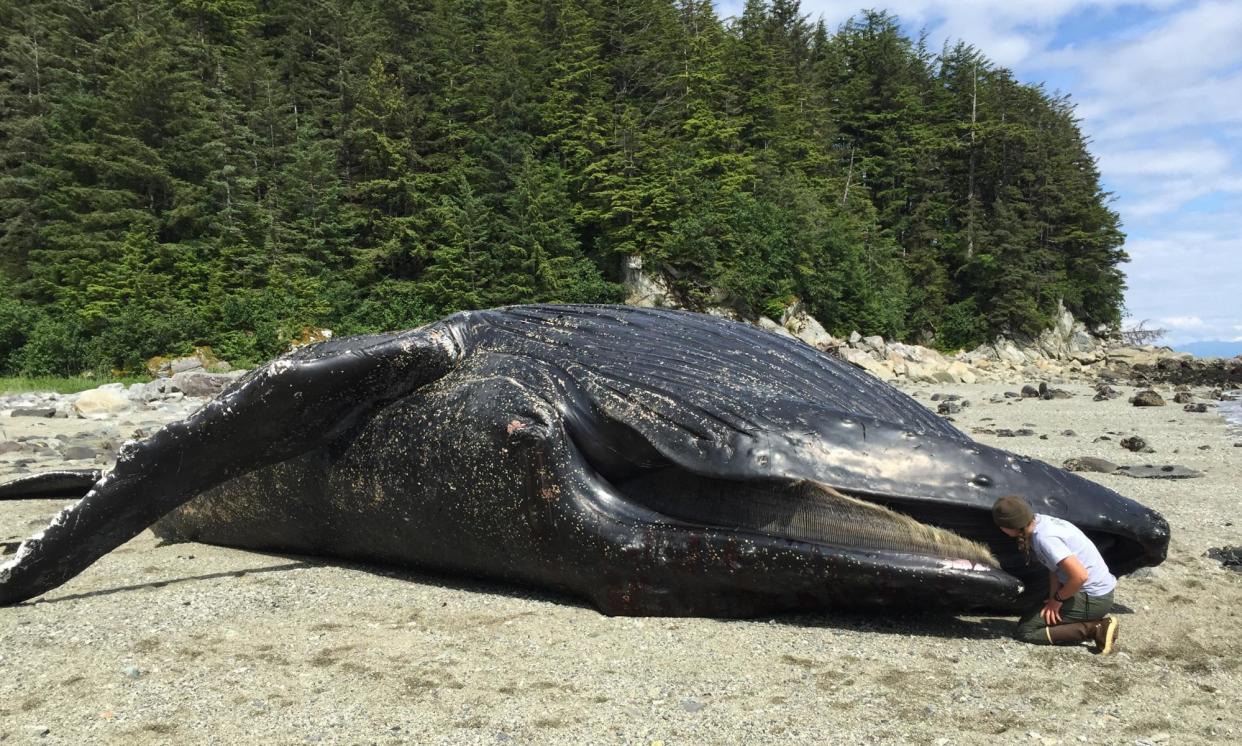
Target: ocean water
(1232, 412)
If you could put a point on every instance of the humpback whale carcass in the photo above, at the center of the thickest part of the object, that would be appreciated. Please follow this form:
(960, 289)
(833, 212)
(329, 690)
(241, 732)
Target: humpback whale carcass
(650, 461)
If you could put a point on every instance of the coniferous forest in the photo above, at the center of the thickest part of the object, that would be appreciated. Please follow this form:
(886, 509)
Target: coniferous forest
(228, 172)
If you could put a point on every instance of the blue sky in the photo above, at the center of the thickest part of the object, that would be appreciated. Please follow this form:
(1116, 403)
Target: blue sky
(1159, 89)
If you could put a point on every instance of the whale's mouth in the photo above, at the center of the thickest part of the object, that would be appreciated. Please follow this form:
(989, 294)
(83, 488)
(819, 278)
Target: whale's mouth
(797, 510)
(943, 532)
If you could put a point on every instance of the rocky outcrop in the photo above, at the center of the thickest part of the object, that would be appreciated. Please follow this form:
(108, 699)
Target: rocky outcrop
(645, 289)
(203, 359)
(1065, 351)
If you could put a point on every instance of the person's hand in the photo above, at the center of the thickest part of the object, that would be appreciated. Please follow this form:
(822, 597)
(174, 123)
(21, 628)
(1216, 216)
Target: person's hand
(1051, 613)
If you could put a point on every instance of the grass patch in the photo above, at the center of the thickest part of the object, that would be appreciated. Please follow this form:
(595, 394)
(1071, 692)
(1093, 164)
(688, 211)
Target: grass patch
(59, 385)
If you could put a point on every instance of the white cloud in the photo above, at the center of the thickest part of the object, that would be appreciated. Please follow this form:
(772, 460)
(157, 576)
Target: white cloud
(1201, 158)
(1183, 322)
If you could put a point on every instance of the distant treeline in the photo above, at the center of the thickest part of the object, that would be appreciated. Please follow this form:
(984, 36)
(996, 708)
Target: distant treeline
(227, 172)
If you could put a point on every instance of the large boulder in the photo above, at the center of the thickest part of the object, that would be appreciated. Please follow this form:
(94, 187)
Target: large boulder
(203, 358)
(105, 401)
(868, 363)
(1143, 355)
(874, 343)
(198, 383)
(1009, 352)
(771, 326)
(806, 328)
(1147, 398)
(961, 372)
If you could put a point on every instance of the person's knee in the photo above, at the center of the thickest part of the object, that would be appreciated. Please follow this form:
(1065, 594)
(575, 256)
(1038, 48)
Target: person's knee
(1035, 634)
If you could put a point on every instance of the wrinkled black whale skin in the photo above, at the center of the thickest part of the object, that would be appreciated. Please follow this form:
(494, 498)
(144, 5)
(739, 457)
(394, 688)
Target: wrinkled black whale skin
(500, 444)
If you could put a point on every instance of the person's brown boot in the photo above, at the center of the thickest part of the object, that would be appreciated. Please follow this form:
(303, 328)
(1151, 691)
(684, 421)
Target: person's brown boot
(1070, 633)
(1105, 634)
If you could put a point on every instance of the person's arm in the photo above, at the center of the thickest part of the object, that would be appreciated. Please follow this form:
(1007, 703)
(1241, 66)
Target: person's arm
(1076, 577)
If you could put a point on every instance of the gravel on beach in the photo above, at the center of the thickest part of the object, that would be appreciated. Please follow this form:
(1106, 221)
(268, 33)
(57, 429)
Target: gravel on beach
(189, 643)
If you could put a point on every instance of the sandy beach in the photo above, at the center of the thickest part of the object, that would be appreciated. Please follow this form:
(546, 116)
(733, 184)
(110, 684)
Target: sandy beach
(190, 643)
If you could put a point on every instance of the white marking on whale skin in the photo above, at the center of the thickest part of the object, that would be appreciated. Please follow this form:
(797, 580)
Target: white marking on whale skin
(962, 564)
(28, 546)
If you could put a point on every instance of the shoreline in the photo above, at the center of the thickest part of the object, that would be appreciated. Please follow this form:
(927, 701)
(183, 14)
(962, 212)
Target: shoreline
(194, 643)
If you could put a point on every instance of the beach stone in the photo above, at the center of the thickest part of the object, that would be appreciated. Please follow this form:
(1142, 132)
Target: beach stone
(1230, 556)
(1105, 392)
(1048, 393)
(948, 407)
(1133, 443)
(39, 412)
(1199, 408)
(1147, 398)
(73, 453)
(1012, 395)
(102, 402)
(1030, 392)
(1090, 463)
(9, 446)
(1003, 432)
(1068, 433)
(691, 705)
(1168, 471)
(1183, 397)
(132, 672)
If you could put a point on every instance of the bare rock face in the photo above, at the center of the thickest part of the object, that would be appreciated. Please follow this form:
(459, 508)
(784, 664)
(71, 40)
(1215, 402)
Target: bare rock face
(645, 290)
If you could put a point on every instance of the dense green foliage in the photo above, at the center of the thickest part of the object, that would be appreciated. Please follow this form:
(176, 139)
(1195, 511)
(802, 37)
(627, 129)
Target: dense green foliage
(227, 172)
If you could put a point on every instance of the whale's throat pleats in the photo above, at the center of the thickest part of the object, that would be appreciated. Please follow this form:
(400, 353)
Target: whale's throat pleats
(803, 511)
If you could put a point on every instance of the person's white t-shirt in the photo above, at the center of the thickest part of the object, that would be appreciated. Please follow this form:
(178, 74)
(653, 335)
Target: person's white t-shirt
(1055, 539)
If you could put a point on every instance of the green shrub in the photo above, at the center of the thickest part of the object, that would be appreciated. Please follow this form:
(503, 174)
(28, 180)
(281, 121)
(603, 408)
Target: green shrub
(15, 323)
(56, 346)
(962, 326)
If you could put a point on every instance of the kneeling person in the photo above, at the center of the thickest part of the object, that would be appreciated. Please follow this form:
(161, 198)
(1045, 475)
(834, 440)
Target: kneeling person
(1080, 584)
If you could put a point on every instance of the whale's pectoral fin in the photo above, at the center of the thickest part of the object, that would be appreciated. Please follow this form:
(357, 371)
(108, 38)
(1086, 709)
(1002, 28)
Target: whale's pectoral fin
(288, 407)
(51, 484)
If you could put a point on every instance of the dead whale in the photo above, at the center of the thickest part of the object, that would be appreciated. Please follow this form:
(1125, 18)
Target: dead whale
(653, 462)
